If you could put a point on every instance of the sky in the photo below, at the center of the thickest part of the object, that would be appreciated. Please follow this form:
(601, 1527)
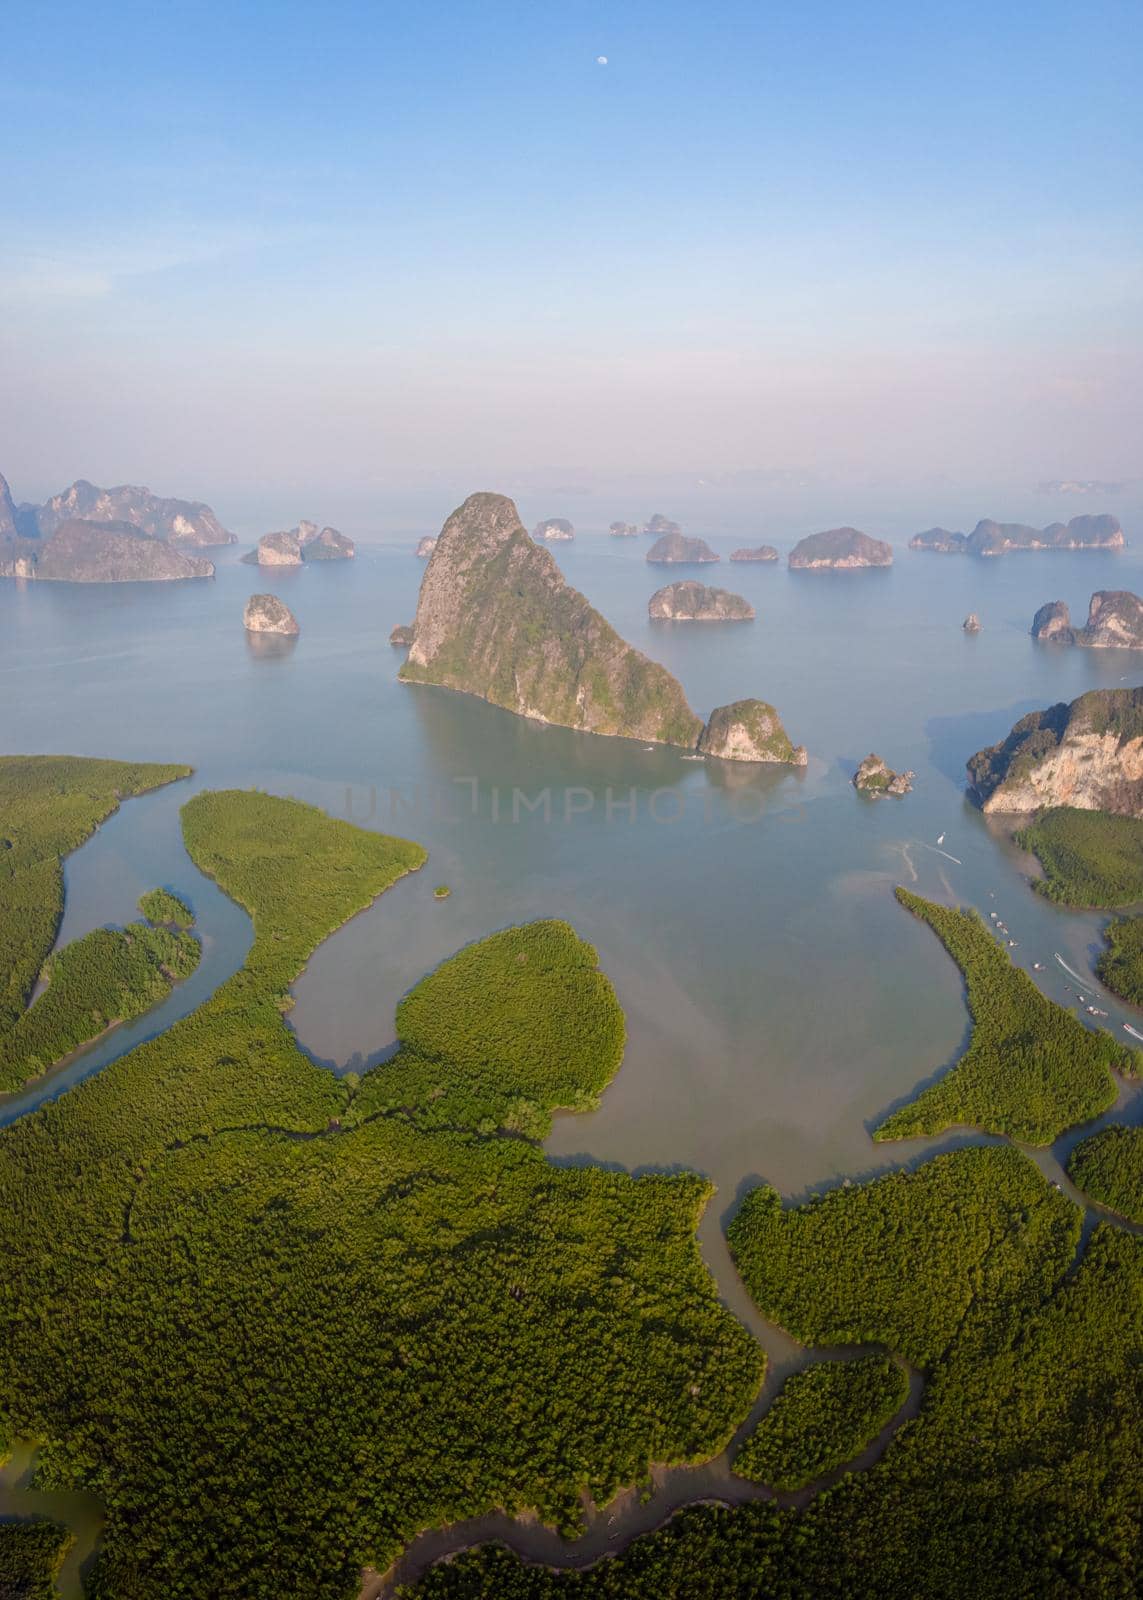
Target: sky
(322, 250)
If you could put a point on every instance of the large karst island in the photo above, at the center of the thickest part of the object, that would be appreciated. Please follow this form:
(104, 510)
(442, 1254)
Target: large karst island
(675, 548)
(1114, 622)
(1087, 755)
(990, 538)
(496, 618)
(92, 535)
(839, 550)
(306, 542)
(690, 601)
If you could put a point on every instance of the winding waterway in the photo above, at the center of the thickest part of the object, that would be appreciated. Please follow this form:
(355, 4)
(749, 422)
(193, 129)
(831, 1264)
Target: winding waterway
(778, 1001)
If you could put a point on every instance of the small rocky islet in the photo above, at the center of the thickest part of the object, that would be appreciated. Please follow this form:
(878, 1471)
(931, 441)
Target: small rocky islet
(874, 776)
(295, 546)
(839, 550)
(676, 548)
(554, 530)
(761, 552)
(1114, 622)
(266, 614)
(690, 601)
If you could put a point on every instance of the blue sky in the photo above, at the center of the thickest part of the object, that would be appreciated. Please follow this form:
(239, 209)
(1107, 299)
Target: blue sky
(345, 241)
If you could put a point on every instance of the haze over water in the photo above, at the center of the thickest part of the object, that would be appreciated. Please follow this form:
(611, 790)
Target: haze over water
(778, 1001)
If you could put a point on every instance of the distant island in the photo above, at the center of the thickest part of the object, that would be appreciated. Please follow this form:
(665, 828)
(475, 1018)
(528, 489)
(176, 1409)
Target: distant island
(623, 530)
(1114, 622)
(425, 547)
(1088, 755)
(750, 730)
(762, 552)
(689, 601)
(839, 549)
(874, 777)
(658, 525)
(265, 613)
(971, 623)
(38, 543)
(990, 538)
(555, 530)
(401, 636)
(496, 618)
(297, 545)
(676, 548)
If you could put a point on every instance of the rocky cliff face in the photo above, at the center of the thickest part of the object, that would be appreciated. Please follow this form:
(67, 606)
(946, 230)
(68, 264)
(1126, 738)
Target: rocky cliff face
(749, 730)
(265, 613)
(675, 547)
(874, 777)
(7, 511)
(99, 552)
(276, 550)
(1114, 622)
(762, 552)
(840, 549)
(184, 523)
(990, 538)
(694, 602)
(1088, 754)
(496, 618)
(555, 530)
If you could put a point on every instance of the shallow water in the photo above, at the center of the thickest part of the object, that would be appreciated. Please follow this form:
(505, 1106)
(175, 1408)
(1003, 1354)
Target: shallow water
(778, 1000)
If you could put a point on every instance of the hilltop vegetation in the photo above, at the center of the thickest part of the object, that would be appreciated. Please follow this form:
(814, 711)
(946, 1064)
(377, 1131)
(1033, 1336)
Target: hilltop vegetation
(48, 806)
(1083, 755)
(1031, 1070)
(1090, 858)
(162, 907)
(279, 1324)
(1109, 1168)
(822, 1418)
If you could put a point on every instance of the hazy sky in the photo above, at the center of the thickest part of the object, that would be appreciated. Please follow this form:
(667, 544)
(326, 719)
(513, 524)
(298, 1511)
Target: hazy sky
(345, 243)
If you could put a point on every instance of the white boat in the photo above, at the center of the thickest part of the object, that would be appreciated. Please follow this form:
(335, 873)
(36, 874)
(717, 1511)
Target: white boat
(941, 840)
(1134, 1032)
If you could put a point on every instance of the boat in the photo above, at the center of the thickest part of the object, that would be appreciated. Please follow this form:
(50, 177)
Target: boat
(694, 758)
(941, 840)
(1134, 1032)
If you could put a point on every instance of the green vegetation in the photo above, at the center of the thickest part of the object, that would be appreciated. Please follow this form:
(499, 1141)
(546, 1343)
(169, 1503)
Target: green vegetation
(823, 1417)
(105, 978)
(1007, 765)
(1090, 858)
(48, 806)
(1020, 1478)
(899, 1261)
(1120, 966)
(441, 892)
(1109, 1168)
(31, 1554)
(164, 908)
(279, 1324)
(1031, 1070)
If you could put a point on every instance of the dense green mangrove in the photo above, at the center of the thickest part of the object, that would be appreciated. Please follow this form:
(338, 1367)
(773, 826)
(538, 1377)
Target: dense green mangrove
(1120, 966)
(162, 907)
(822, 1418)
(1022, 1476)
(280, 1324)
(48, 806)
(1109, 1168)
(1031, 1070)
(31, 1554)
(1090, 858)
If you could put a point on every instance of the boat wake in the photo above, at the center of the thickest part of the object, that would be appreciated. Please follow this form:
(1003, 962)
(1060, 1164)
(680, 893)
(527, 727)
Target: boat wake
(1088, 983)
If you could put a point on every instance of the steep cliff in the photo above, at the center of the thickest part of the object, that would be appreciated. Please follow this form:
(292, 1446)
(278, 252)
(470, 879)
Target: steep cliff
(1088, 755)
(689, 601)
(496, 618)
(1114, 622)
(265, 613)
